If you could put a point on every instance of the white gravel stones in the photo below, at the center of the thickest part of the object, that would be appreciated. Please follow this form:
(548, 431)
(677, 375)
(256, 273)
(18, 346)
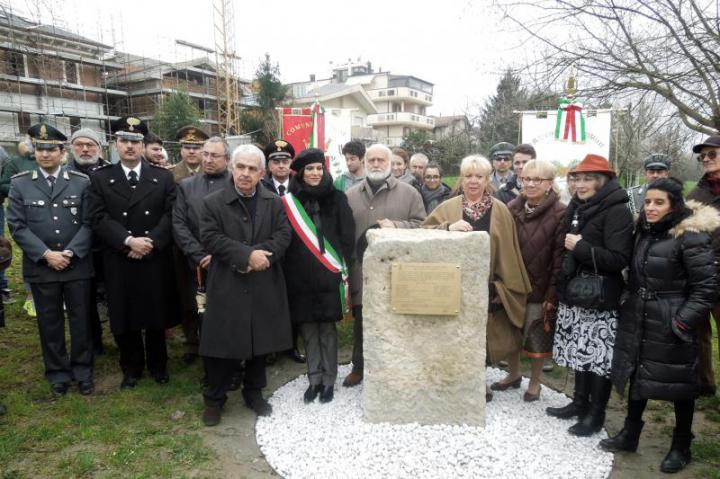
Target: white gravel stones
(332, 440)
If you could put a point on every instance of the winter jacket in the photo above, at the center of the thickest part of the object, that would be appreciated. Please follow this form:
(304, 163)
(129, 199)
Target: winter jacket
(703, 194)
(673, 277)
(542, 242)
(433, 198)
(606, 226)
(313, 290)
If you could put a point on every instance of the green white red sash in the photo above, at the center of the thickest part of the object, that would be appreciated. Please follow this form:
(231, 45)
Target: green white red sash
(306, 231)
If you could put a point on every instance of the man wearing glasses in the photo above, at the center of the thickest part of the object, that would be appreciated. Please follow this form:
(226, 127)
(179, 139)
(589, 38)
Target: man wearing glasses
(501, 156)
(707, 191)
(657, 166)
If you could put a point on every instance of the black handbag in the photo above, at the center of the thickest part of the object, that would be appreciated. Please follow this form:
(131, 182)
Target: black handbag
(587, 289)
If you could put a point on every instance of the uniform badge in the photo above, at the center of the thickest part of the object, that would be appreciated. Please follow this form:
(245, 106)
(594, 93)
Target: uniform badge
(41, 203)
(73, 210)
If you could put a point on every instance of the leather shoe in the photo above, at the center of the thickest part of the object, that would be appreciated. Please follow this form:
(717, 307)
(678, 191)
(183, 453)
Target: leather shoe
(311, 393)
(86, 388)
(59, 389)
(352, 380)
(189, 358)
(211, 416)
(530, 397)
(501, 386)
(258, 404)
(128, 382)
(327, 394)
(296, 355)
(161, 378)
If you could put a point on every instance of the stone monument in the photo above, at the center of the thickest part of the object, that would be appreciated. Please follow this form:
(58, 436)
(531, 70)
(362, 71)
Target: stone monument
(425, 297)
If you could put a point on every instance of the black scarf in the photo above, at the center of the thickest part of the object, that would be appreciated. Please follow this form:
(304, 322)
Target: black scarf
(310, 197)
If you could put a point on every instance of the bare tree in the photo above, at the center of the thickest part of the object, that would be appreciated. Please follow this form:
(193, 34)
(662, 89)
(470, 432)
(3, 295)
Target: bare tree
(670, 48)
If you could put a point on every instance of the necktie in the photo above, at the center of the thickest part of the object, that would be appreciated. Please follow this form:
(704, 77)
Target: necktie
(51, 181)
(132, 178)
(281, 190)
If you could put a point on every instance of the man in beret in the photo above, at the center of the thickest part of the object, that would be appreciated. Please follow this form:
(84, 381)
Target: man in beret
(85, 158)
(657, 166)
(707, 191)
(47, 217)
(191, 139)
(130, 207)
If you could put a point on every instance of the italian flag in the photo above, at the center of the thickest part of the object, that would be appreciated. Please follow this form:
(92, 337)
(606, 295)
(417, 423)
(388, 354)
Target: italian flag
(570, 121)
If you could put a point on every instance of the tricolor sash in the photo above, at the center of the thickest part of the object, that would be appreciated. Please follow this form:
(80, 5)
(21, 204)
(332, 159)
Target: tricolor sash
(306, 231)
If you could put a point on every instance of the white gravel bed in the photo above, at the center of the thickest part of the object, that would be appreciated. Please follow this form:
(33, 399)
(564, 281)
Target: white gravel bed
(333, 441)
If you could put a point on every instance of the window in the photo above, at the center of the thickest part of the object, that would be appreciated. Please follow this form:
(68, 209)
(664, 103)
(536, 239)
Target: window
(71, 75)
(75, 123)
(396, 107)
(391, 93)
(16, 64)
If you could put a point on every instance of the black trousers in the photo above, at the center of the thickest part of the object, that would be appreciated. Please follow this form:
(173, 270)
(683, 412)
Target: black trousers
(49, 299)
(134, 354)
(358, 359)
(684, 411)
(95, 325)
(220, 372)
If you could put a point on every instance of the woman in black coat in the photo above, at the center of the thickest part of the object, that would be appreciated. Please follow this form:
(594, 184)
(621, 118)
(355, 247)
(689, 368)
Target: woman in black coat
(600, 229)
(673, 285)
(322, 242)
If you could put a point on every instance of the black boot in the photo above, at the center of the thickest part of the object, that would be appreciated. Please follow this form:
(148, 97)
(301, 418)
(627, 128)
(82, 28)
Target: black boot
(581, 398)
(679, 455)
(626, 440)
(593, 421)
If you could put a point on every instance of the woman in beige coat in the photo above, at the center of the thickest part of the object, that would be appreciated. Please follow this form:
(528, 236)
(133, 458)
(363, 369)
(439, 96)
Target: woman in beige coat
(476, 210)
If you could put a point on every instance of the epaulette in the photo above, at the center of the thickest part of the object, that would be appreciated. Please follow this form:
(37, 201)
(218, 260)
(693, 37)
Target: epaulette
(78, 173)
(22, 173)
(171, 167)
(157, 166)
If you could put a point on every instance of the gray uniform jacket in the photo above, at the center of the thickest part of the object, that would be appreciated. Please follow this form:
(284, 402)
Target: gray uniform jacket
(42, 219)
(187, 211)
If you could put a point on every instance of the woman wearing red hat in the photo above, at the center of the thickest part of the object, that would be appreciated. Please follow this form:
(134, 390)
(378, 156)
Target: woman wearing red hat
(598, 247)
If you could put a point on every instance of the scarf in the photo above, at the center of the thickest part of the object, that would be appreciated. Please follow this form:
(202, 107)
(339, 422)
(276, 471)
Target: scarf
(309, 196)
(475, 211)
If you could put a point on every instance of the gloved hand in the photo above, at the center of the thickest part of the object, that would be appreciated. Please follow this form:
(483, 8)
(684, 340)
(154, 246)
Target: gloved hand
(682, 331)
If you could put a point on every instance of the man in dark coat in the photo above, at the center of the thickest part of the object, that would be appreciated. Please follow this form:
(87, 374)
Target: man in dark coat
(47, 217)
(186, 230)
(130, 208)
(85, 158)
(245, 229)
(707, 192)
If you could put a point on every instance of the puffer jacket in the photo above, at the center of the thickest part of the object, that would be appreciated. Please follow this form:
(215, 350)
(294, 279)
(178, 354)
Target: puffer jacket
(606, 226)
(673, 277)
(542, 238)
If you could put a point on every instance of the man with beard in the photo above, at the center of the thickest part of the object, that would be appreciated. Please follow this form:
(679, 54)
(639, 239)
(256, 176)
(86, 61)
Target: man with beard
(380, 200)
(154, 150)
(85, 152)
(130, 207)
(191, 139)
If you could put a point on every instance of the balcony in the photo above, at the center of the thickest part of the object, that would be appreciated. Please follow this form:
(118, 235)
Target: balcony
(403, 94)
(402, 118)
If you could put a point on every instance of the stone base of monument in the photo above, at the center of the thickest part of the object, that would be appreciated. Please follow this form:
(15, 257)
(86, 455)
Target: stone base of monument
(334, 440)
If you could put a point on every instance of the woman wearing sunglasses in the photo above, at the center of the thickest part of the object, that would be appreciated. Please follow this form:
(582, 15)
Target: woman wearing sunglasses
(707, 192)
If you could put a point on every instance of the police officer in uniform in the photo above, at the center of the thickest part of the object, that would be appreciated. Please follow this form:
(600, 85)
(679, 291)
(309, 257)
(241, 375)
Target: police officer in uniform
(191, 139)
(657, 166)
(503, 177)
(279, 155)
(47, 217)
(130, 206)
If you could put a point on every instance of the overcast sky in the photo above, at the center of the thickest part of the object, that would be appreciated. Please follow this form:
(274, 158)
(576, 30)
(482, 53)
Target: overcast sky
(461, 46)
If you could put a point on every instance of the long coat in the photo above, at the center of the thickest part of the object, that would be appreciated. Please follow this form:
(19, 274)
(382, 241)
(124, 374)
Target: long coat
(702, 193)
(542, 240)
(507, 271)
(247, 313)
(394, 200)
(42, 219)
(141, 293)
(312, 288)
(673, 276)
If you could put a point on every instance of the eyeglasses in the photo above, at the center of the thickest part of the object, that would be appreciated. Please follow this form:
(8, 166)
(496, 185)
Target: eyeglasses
(710, 155)
(432, 177)
(214, 156)
(533, 181)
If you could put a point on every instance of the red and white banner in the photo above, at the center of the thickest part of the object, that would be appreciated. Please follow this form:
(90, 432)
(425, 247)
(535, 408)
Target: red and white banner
(296, 127)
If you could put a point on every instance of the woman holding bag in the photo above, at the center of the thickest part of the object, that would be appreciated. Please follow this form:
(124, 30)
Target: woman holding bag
(539, 216)
(598, 247)
(321, 246)
(476, 210)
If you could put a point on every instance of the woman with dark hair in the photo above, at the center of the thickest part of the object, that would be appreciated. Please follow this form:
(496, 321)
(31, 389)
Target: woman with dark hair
(673, 285)
(315, 274)
(598, 246)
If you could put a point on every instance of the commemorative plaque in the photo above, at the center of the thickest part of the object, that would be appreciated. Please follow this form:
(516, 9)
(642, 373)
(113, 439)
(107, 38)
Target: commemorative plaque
(432, 289)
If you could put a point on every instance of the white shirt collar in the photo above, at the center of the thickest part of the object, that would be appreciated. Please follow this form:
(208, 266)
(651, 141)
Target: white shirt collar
(128, 170)
(277, 183)
(56, 173)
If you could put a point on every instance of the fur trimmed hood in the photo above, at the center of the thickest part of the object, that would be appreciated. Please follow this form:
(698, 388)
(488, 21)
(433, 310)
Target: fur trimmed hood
(704, 219)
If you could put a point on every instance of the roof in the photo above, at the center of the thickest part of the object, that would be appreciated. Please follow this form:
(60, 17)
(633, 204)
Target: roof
(443, 121)
(14, 21)
(335, 90)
